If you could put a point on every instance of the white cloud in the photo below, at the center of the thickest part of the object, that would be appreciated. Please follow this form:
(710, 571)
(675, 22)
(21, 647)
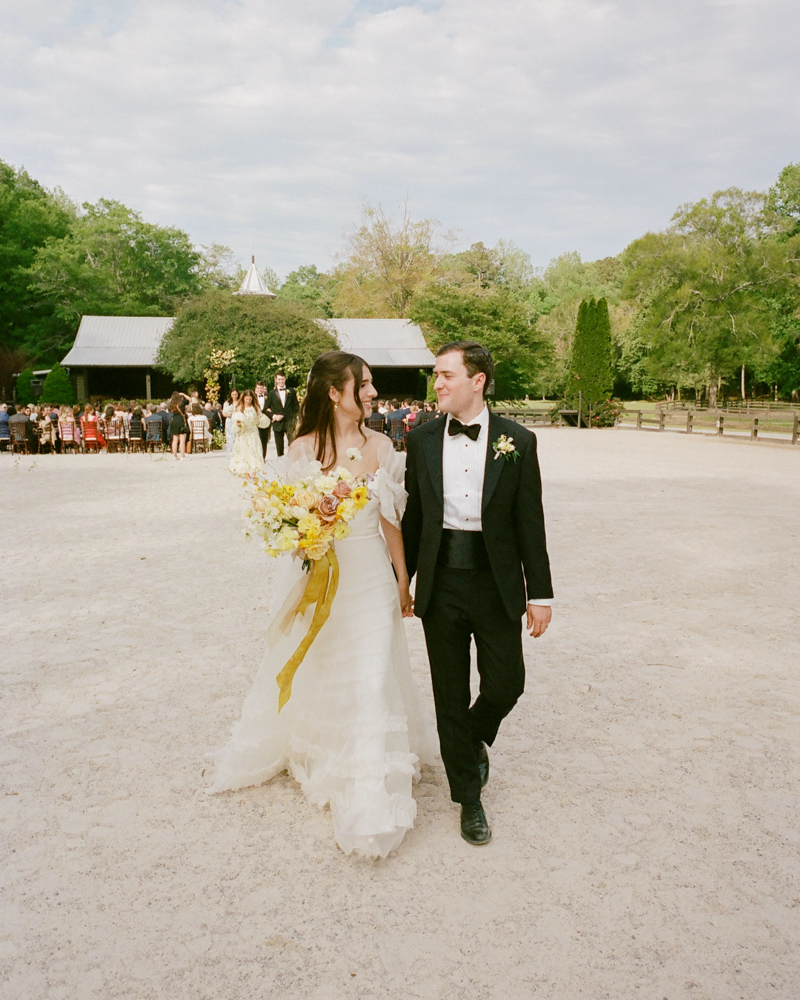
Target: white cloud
(560, 124)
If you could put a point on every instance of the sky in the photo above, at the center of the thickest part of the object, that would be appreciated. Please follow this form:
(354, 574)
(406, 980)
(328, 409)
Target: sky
(560, 125)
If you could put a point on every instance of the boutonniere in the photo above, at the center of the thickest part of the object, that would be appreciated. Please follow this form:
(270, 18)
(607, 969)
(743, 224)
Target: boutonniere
(505, 446)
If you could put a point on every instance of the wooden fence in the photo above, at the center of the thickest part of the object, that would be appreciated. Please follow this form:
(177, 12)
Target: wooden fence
(779, 426)
(782, 427)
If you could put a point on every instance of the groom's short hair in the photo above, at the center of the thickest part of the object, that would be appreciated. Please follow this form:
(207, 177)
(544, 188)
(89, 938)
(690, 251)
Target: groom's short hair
(476, 358)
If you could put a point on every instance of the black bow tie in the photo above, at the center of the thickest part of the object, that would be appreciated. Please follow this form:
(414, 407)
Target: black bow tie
(456, 427)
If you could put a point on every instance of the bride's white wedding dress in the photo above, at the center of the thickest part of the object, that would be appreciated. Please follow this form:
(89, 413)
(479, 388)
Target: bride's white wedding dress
(352, 733)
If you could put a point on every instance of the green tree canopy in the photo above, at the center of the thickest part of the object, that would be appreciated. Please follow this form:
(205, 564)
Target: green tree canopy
(266, 334)
(113, 263)
(708, 291)
(309, 288)
(29, 217)
(496, 319)
(57, 388)
(591, 371)
(23, 387)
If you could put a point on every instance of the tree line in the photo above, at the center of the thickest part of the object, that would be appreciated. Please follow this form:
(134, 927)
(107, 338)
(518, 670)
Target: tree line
(709, 306)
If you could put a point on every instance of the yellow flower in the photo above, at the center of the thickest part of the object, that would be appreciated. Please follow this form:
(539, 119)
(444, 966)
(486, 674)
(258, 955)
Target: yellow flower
(360, 495)
(342, 530)
(318, 549)
(311, 536)
(347, 510)
(307, 523)
(286, 539)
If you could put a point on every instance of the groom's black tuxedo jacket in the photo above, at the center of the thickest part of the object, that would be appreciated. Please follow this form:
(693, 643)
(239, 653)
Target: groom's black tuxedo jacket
(511, 514)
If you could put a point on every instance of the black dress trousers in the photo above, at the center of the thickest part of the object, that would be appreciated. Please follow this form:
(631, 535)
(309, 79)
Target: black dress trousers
(466, 602)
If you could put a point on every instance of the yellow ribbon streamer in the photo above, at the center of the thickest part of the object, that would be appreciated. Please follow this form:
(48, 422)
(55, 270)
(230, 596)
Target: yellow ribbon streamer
(323, 581)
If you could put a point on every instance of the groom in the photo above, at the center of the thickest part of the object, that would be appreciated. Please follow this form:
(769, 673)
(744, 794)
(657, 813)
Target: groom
(474, 535)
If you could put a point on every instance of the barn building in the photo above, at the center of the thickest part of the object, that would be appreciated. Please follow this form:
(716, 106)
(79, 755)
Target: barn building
(115, 356)
(394, 349)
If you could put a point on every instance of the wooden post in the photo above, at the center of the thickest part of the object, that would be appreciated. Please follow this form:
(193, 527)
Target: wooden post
(754, 429)
(720, 425)
(638, 420)
(661, 416)
(795, 427)
(147, 386)
(689, 421)
(580, 407)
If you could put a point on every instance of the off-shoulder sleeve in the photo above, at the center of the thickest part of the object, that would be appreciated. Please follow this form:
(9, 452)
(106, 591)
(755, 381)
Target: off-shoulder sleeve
(297, 463)
(391, 476)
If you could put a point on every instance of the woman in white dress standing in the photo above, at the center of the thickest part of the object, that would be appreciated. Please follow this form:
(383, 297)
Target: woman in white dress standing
(228, 410)
(247, 458)
(352, 733)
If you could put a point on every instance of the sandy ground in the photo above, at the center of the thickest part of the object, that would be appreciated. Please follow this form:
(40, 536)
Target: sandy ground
(643, 794)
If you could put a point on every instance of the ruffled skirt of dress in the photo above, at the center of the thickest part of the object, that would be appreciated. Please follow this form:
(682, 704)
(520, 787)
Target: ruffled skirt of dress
(246, 456)
(352, 733)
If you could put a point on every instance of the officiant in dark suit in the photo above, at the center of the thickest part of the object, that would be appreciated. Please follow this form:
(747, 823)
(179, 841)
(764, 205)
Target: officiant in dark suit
(282, 407)
(474, 535)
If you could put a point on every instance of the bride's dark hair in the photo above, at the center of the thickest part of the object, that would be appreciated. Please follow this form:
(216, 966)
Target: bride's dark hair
(331, 369)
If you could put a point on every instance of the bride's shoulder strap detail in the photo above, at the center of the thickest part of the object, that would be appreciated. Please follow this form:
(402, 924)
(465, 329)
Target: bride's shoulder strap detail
(391, 477)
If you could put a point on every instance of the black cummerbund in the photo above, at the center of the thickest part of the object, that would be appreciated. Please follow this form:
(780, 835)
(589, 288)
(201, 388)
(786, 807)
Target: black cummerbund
(463, 550)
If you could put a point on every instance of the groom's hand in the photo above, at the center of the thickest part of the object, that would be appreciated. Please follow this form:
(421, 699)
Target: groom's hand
(539, 616)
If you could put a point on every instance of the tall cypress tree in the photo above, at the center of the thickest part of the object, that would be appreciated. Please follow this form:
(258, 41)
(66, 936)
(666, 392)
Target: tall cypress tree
(591, 369)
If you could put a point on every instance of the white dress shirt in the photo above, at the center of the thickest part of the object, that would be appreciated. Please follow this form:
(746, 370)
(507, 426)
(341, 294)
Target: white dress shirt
(463, 468)
(282, 394)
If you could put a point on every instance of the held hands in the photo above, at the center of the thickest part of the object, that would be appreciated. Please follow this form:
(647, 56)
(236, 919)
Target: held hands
(406, 600)
(538, 619)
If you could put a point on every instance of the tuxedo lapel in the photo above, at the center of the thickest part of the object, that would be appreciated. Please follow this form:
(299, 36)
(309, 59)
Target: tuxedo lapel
(494, 465)
(434, 442)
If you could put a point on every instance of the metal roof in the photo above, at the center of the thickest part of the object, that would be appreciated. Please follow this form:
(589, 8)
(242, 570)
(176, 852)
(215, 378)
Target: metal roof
(118, 341)
(382, 343)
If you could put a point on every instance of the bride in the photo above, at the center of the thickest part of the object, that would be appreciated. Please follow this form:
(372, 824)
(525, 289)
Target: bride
(352, 734)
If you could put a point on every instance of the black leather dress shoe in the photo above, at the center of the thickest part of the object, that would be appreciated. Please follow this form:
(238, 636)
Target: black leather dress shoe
(474, 826)
(483, 762)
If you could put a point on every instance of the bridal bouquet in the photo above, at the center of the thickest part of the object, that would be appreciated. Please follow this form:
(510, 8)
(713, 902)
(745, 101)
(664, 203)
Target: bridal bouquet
(304, 518)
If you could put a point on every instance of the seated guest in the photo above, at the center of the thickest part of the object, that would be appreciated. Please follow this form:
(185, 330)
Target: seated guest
(394, 422)
(212, 417)
(21, 419)
(428, 412)
(153, 423)
(136, 425)
(410, 419)
(67, 429)
(90, 431)
(198, 424)
(44, 430)
(5, 433)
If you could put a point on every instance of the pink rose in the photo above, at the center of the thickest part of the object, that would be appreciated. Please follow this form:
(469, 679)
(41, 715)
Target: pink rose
(327, 507)
(342, 490)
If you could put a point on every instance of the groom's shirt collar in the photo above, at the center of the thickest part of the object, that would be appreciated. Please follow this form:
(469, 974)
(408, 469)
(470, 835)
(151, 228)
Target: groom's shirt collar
(482, 419)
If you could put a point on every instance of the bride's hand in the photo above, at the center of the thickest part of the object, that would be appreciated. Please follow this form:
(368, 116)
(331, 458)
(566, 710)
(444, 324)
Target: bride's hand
(406, 601)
